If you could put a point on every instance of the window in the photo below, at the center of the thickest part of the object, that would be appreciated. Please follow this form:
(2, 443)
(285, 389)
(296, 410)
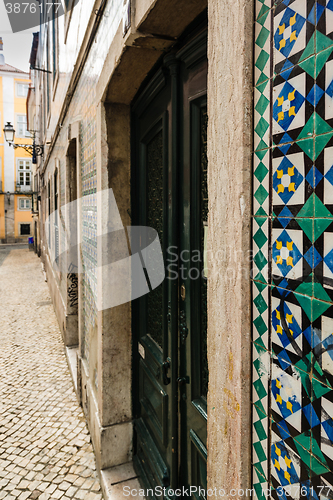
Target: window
(24, 172)
(22, 89)
(55, 44)
(25, 229)
(24, 203)
(56, 229)
(22, 126)
(48, 86)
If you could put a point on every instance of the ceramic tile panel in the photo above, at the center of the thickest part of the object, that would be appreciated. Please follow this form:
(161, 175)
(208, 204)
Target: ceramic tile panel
(293, 229)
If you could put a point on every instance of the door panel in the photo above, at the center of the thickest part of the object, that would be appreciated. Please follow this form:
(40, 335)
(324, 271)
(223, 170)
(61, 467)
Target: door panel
(193, 282)
(151, 347)
(169, 194)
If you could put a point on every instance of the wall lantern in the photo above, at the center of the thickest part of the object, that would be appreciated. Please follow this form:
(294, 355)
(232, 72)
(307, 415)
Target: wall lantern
(33, 149)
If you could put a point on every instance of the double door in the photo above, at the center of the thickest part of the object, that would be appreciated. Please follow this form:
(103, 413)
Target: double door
(169, 194)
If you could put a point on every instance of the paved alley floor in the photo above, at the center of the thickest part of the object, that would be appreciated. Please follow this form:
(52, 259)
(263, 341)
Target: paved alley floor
(45, 450)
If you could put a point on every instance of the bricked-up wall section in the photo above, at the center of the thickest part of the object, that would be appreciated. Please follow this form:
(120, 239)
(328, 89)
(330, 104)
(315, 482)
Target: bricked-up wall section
(293, 247)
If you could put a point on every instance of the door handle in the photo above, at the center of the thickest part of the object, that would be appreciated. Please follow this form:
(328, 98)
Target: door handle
(165, 368)
(183, 380)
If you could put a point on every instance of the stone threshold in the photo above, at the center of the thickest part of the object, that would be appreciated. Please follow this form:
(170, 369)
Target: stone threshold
(115, 479)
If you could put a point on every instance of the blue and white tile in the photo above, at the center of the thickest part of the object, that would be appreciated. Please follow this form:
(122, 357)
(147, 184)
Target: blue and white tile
(289, 104)
(287, 258)
(290, 31)
(288, 179)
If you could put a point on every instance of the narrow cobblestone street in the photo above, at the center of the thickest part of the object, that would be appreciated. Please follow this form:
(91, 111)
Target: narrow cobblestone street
(45, 449)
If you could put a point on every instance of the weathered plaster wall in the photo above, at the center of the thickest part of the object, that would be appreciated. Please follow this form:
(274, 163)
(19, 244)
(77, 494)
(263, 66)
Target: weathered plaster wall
(229, 194)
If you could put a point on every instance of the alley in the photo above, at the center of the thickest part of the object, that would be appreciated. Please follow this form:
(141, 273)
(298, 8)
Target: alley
(45, 449)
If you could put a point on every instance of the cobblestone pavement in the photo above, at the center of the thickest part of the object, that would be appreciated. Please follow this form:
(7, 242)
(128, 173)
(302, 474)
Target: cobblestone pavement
(45, 450)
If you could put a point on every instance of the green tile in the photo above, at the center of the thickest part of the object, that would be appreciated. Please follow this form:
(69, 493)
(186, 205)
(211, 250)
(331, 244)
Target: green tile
(259, 408)
(261, 154)
(305, 289)
(317, 467)
(261, 127)
(262, 60)
(262, 104)
(319, 389)
(260, 303)
(318, 308)
(308, 65)
(259, 451)
(305, 364)
(259, 343)
(305, 303)
(260, 260)
(319, 208)
(260, 430)
(322, 42)
(260, 277)
(260, 220)
(260, 286)
(309, 49)
(308, 129)
(261, 194)
(262, 37)
(262, 145)
(260, 325)
(261, 87)
(320, 376)
(319, 226)
(260, 472)
(307, 145)
(260, 238)
(321, 59)
(320, 143)
(261, 78)
(319, 292)
(320, 125)
(260, 212)
(261, 171)
(258, 489)
(308, 208)
(306, 381)
(304, 454)
(263, 13)
(304, 440)
(307, 226)
(260, 389)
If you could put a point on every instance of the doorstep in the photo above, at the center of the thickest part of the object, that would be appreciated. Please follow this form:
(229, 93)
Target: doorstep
(115, 479)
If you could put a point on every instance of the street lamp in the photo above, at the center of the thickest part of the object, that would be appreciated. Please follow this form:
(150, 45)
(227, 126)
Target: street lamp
(9, 132)
(33, 149)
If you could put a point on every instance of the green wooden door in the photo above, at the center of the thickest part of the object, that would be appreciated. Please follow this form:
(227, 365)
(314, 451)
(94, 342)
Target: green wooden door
(169, 194)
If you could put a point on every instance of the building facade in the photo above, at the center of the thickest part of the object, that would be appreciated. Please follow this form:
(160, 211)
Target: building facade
(209, 122)
(16, 166)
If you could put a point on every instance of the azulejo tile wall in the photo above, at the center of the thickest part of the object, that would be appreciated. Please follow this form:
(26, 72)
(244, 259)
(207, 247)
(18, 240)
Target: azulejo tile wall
(293, 249)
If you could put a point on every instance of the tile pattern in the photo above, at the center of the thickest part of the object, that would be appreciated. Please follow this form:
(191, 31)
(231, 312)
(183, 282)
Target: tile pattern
(293, 249)
(89, 214)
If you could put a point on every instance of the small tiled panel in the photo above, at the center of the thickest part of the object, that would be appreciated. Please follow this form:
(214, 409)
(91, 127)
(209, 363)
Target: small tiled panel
(292, 271)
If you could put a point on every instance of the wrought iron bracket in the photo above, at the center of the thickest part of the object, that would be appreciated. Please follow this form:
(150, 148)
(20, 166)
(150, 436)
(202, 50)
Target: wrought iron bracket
(29, 148)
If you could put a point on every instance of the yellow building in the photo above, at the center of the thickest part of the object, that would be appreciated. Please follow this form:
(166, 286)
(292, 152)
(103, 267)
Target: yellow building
(16, 180)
